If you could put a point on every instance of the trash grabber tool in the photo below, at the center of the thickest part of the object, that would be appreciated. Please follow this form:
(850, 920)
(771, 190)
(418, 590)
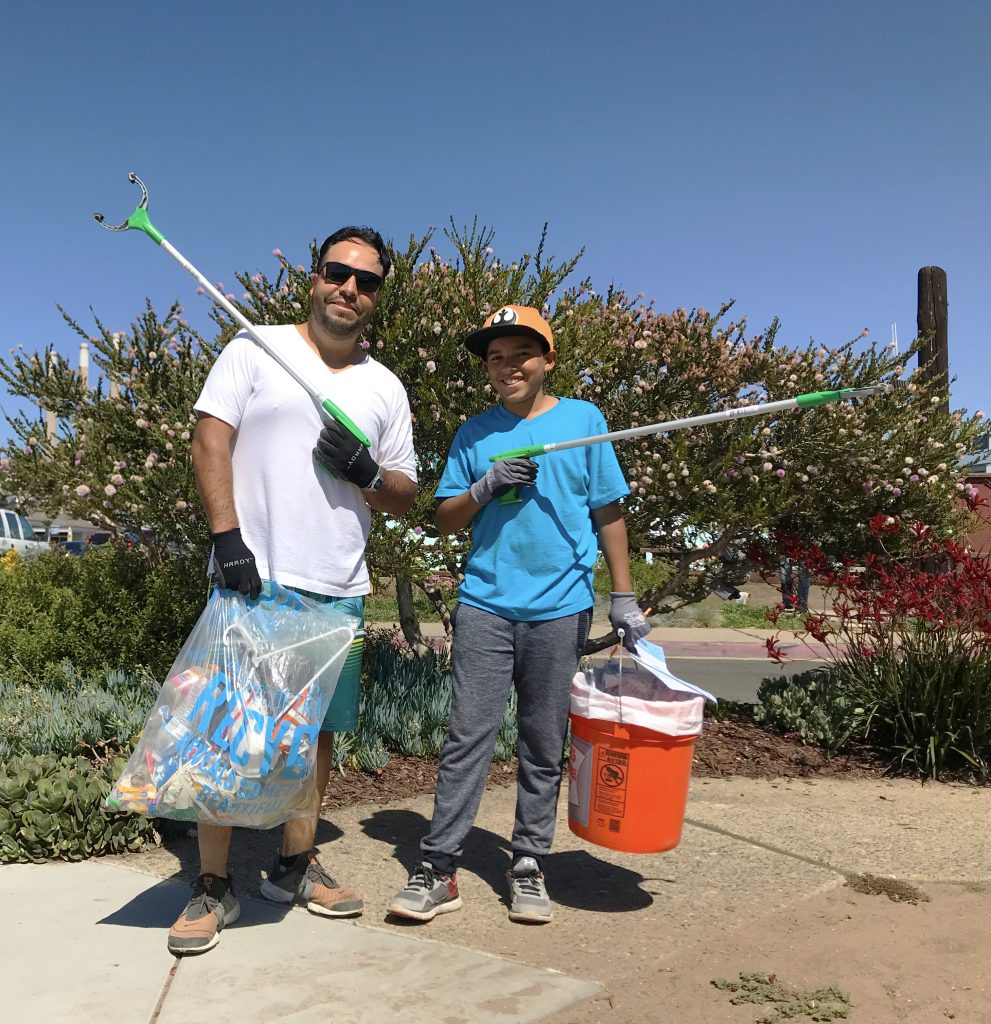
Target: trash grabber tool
(139, 221)
(808, 401)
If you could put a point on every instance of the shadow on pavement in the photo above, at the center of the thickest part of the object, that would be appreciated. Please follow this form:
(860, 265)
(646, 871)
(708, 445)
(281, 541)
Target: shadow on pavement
(574, 879)
(579, 880)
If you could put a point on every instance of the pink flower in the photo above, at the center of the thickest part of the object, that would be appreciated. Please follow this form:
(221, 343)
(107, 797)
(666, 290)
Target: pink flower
(431, 366)
(82, 491)
(181, 506)
(779, 473)
(277, 253)
(200, 291)
(110, 490)
(5, 465)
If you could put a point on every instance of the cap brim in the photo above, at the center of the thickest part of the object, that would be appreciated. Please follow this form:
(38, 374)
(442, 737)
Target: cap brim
(478, 341)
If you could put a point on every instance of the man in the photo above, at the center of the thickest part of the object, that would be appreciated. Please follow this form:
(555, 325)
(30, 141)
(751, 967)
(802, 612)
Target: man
(280, 508)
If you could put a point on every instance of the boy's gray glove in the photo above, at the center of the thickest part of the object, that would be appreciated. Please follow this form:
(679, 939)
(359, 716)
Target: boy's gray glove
(502, 477)
(625, 614)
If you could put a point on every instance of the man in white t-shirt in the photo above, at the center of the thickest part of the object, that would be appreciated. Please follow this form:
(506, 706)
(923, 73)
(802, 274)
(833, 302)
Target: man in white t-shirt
(261, 452)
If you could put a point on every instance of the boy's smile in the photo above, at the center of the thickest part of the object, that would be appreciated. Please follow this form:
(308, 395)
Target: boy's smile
(516, 366)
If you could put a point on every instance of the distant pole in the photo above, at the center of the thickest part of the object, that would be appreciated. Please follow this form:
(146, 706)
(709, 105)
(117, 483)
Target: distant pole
(114, 384)
(50, 418)
(934, 358)
(84, 364)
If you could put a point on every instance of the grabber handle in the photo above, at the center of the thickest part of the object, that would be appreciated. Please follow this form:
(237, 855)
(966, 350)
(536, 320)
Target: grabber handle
(511, 497)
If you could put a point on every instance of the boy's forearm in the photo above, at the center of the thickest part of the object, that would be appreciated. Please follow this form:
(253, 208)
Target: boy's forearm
(615, 545)
(455, 514)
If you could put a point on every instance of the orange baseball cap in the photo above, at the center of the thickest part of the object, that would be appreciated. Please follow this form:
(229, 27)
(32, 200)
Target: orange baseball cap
(507, 321)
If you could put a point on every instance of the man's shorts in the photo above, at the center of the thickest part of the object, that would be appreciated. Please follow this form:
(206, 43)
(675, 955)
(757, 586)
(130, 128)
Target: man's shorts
(342, 715)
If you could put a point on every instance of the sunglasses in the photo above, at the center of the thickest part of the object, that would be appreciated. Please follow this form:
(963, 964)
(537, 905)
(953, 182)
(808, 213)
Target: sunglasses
(337, 273)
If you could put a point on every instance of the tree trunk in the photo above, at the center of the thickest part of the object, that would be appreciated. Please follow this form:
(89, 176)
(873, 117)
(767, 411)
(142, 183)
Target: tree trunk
(408, 621)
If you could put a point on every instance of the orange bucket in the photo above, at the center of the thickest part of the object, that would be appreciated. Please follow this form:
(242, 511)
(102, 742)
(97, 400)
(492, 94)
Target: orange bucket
(627, 786)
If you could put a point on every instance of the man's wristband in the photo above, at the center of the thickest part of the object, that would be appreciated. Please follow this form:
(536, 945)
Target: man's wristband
(376, 484)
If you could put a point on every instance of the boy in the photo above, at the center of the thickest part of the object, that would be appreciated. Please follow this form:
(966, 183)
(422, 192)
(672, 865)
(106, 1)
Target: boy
(525, 605)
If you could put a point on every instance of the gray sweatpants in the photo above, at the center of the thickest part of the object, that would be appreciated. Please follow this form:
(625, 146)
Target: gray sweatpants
(490, 654)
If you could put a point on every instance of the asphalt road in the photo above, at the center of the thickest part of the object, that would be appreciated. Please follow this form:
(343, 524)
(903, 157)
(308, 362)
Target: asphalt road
(733, 678)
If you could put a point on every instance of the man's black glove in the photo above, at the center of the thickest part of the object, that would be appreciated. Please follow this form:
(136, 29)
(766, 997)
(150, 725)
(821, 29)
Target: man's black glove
(234, 565)
(344, 455)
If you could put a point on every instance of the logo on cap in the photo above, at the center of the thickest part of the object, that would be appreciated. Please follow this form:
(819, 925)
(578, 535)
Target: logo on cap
(506, 315)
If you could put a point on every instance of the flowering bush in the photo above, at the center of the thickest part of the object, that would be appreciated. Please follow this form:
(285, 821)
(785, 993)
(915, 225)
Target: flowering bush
(120, 455)
(911, 635)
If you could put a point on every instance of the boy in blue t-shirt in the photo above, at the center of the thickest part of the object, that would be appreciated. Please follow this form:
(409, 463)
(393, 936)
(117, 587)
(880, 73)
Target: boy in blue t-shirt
(525, 605)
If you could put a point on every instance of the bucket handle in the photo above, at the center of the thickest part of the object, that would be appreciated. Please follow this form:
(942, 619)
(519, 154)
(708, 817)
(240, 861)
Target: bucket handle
(620, 633)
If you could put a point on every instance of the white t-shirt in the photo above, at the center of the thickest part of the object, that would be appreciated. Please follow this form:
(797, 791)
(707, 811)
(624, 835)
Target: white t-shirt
(305, 528)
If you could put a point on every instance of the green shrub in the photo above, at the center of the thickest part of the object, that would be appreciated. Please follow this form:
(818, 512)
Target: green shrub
(110, 608)
(405, 708)
(818, 705)
(76, 713)
(928, 711)
(911, 635)
(645, 575)
(52, 809)
(746, 616)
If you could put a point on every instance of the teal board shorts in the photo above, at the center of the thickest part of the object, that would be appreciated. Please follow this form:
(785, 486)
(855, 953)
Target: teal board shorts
(342, 715)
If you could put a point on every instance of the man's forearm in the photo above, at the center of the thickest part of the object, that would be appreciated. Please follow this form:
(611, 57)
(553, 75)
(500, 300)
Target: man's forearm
(396, 495)
(215, 482)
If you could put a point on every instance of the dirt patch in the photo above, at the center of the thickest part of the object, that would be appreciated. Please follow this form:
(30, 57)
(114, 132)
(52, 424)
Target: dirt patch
(895, 889)
(895, 963)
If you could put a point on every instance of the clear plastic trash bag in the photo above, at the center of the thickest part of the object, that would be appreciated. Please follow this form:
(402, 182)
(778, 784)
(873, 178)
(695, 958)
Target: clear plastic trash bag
(232, 738)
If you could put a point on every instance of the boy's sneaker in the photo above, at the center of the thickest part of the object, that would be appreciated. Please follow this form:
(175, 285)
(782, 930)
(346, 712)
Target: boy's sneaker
(529, 903)
(305, 883)
(212, 907)
(427, 894)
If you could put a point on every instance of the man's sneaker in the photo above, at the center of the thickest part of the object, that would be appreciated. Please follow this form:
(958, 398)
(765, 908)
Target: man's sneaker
(213, 906)
(305, 883)
(427, 894)
(528, 894)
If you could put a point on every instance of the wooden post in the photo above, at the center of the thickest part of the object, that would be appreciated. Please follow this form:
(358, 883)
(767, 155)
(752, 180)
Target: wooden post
(934, 357)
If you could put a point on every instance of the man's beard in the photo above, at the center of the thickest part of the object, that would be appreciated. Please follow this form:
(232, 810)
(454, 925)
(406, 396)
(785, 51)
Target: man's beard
(337, 328)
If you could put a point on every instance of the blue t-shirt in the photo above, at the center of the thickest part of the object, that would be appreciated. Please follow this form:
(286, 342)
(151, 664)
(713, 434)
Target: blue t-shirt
(533, 560)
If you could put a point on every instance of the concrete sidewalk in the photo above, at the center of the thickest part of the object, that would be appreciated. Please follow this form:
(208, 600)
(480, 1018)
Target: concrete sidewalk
(86, 942)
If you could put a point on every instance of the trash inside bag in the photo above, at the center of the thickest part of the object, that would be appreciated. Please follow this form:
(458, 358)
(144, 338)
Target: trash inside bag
(232, 738)
(639, 691)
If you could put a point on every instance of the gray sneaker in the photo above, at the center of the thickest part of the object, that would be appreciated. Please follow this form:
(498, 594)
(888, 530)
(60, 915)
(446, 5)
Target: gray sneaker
(529, 903)
(212, 907)
(427, 894)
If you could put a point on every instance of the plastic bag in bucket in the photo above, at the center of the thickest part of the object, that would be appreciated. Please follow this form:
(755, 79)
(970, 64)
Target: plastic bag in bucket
(633, 732)
(233, 735)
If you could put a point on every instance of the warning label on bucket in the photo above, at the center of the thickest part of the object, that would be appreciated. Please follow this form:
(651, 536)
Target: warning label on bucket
(612, 772)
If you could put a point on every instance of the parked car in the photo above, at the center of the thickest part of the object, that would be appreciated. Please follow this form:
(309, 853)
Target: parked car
(17, 534)
(99, 537)
(73, 547)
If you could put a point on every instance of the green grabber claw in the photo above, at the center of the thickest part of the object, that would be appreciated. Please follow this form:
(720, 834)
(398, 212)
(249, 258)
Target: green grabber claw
(511, 497)
(138, 220)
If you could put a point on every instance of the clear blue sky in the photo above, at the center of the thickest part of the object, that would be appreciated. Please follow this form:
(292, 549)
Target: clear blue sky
(804, 159)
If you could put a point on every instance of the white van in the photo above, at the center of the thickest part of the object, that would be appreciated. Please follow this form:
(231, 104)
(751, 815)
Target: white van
(17, 533)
